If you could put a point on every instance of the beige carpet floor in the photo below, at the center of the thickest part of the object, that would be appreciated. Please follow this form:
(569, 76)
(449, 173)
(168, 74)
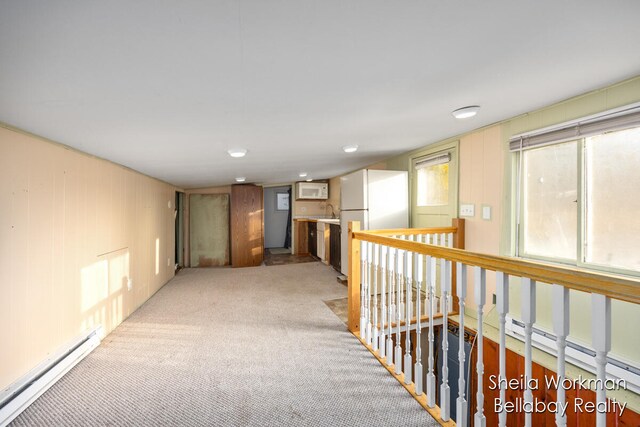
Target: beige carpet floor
(231, 347)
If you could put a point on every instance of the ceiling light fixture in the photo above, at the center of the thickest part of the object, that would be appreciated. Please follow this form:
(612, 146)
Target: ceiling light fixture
(241, 179)
(237, 152)
(350, 148)
(466, 112)
(303, 174)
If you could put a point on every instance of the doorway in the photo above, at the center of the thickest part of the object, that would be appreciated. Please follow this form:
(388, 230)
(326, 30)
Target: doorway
(277, 219)
(179, 229)
(209, 230)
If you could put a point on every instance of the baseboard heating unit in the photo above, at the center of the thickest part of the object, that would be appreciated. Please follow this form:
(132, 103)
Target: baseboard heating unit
(578, 355)
(19, 395)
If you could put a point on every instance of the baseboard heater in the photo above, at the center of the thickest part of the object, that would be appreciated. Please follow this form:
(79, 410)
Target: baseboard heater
(19, 395)
(577, 354)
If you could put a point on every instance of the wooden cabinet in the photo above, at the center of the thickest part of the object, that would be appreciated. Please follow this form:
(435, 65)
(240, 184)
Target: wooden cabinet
(323, 241)
(301, 238)
(312, 239)
(334, 246)
(246, 226)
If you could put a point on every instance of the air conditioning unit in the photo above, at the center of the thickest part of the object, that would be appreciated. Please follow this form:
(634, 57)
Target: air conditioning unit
(312, 191)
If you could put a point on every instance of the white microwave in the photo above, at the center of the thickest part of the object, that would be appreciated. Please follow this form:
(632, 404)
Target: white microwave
(312, 190)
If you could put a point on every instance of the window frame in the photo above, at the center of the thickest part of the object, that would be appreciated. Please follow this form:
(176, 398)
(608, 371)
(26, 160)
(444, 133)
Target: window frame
(582, 212)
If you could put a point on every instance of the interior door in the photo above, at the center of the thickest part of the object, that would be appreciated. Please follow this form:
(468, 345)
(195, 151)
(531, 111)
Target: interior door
(209, 229)
(246, 225)
(179, 229)
(434, 187)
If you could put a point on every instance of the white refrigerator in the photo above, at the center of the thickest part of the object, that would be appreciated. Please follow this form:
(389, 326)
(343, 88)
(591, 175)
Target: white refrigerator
(379, 199)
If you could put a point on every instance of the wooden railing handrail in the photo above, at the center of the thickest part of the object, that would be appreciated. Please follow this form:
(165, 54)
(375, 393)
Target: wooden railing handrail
(612, 286)
(413, 231)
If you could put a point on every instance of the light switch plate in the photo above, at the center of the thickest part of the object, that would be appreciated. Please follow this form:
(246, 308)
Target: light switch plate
(466, 210)
(486, 212)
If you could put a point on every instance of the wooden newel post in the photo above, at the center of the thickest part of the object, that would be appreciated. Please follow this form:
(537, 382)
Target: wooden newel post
(458, 243)
(353, 290)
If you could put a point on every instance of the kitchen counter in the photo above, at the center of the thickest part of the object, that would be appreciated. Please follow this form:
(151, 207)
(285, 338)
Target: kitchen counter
(313, 219)
(321, 230)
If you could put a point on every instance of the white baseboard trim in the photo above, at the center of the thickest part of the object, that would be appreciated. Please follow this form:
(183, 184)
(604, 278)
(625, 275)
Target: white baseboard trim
(19, 395)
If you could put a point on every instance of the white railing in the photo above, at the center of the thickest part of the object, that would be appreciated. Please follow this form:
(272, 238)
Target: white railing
(397, 281)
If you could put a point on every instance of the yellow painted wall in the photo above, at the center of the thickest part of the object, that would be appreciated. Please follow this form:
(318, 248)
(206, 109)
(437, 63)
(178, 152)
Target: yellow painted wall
(74, 230)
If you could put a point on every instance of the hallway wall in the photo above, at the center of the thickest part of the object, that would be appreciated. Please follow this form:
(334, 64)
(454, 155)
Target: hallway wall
(75, 231)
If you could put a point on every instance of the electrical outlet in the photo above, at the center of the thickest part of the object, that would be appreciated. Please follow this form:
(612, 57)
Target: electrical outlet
(168, 262)
(467, 210)
(129, 284)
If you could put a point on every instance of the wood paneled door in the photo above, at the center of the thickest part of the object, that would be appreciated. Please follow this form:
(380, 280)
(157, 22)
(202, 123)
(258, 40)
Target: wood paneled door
(246, 225)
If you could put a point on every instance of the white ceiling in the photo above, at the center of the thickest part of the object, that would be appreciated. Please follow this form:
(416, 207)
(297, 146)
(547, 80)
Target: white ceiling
(166, 87)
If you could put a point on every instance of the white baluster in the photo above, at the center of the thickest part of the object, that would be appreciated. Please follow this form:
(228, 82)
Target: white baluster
(426, 240)
(443, 239)
(437, 302)
(408, 277)
(418, 365)
(445, 392)
(560, 307)
(399, 277)
(502, 305)
(401, 302)
(528, 318)
(431, 378)
(480, 289)
(601, 339)
(450, 240)
(376, 273)
(461, 291)
(383, 298)
(369, 274)
(363, 289)
(443, 302)
(391, 278)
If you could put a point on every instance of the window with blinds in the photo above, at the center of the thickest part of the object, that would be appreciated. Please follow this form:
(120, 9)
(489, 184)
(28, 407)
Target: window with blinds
(578, 193)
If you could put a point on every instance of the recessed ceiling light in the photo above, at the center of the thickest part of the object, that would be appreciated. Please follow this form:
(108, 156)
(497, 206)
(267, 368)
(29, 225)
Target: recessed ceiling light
(466, 112)
(309, 180)
(237, 152)
(241, 179)
(350, 148)
(303, 174)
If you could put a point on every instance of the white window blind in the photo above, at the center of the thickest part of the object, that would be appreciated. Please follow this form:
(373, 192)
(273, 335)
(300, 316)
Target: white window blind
(437, 159)
(607, 123)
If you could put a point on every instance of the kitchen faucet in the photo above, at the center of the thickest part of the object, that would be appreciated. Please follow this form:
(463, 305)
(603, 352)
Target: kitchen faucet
(333, 212)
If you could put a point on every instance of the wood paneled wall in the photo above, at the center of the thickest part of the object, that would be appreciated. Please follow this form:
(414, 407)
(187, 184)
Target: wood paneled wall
(515, 370)
(74, 232)
(246, 225)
